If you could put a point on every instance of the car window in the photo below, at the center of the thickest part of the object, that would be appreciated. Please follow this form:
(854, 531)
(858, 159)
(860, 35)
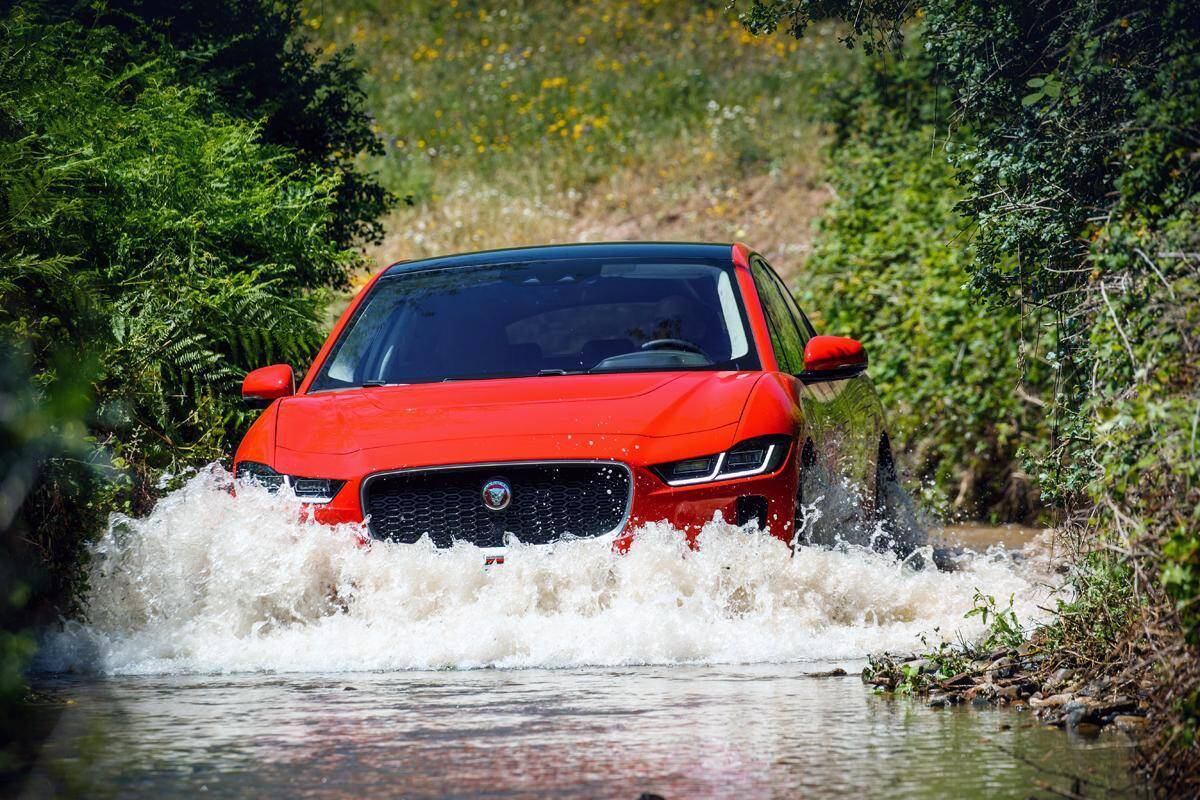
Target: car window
(549, 317)
(803, 326)
(786, 338)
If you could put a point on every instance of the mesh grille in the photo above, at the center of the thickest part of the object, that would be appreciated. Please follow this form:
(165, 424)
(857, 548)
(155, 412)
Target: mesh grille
(549, 502)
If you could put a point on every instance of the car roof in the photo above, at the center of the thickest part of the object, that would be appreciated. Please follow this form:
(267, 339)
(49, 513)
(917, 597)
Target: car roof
(566, 252)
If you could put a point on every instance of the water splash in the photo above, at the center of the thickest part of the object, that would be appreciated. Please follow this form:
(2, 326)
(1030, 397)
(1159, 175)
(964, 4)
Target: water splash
(209, 582)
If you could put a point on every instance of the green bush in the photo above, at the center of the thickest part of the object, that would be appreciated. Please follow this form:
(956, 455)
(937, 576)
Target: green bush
(257, 63)
(962, 387)
(162, 244)
(1081, 178)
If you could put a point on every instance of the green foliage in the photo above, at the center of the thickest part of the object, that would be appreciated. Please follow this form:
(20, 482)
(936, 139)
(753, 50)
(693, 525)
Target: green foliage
(34, 426)
(962, 377)
(1082, 181)
(936, 663)
(1001, 626)
(258, 63)
(876, 23)
(160, 242)
(1097, 618)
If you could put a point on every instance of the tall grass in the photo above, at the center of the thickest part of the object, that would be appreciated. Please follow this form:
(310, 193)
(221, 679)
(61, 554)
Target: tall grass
(547, 121)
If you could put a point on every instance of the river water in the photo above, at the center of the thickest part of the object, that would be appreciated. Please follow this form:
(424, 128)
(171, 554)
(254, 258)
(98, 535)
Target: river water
(232, 649)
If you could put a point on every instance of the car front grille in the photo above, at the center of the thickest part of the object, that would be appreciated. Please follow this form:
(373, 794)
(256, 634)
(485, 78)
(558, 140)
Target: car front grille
(548, 501)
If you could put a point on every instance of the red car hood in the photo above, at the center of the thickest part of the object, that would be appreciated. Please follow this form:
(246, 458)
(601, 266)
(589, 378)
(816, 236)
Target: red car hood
(642, 404)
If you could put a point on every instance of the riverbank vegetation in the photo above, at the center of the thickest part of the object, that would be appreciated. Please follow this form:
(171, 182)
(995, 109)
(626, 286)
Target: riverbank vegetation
(1071, 130)
(178, 199)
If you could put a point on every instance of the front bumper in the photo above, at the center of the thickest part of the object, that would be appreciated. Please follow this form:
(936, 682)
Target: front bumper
(767, 499)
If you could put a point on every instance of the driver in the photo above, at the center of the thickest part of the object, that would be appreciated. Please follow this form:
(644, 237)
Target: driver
(678, 317)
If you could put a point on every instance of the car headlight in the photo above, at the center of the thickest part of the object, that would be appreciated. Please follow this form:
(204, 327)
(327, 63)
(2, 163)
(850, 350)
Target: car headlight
(310, 490)
(752, 457)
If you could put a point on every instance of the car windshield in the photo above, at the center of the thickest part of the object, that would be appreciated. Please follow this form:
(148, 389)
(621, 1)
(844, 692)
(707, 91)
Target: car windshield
(543, 318)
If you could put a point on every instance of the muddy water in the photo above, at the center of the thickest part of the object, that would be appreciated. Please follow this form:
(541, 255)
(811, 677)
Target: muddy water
(231, 649)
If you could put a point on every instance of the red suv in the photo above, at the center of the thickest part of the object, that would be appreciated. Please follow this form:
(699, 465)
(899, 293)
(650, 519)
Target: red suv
(574, 391)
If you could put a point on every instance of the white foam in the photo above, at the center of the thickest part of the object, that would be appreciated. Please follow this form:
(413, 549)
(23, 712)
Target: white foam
(209, 582)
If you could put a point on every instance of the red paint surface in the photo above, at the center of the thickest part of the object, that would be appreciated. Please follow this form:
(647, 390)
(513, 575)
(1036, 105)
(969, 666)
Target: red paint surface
(269, 383)
(831, 352)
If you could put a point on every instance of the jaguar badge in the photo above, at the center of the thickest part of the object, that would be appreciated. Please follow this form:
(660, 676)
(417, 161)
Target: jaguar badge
(497, 494)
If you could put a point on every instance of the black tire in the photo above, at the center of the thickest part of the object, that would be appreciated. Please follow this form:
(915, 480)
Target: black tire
(831, 514)
(900, 527)
(828, 511)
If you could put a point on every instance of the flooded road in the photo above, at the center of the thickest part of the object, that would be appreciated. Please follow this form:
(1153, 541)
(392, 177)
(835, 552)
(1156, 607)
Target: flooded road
(232, 649)
(679, 732)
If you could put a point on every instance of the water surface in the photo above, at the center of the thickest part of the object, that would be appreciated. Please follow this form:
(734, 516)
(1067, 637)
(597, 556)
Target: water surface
(729, 731)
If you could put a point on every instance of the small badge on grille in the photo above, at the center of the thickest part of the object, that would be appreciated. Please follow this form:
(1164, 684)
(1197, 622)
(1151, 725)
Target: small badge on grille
(497, 494)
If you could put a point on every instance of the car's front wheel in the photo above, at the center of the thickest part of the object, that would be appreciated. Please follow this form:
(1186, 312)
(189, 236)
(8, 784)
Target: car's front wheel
(898, 525)
(830, 510)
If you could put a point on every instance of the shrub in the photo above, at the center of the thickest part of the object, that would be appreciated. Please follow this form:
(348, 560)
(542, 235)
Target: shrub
(258, 64)
(962, 385)
(163, 243)
(1082, 179)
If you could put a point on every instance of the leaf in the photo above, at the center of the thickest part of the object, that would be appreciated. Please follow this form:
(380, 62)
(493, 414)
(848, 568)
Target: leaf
(1031, 98)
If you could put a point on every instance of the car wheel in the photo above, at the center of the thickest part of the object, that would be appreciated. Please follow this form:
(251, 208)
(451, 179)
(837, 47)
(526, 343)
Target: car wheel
(828, 509)
(898, 524)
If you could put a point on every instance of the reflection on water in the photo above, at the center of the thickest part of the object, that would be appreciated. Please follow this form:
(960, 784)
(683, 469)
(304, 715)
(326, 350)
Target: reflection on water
(730, 731)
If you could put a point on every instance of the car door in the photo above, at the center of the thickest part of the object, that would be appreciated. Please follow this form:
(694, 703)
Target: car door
(844, 419)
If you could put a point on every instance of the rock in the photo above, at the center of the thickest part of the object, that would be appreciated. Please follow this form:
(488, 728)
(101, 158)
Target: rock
(984, 691)
(1057, 679)
(1053, 701)
(1087, 729)
(958, 681)
(1096, 688)
(1112, 707)
(1129, 723)
(979, 701)
(937, 701)
(1001, 668)
(1008, 693)
(836, 672)
(1075, 712)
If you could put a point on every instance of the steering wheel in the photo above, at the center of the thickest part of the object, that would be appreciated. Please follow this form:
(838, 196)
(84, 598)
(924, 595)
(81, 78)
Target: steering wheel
(674, 344)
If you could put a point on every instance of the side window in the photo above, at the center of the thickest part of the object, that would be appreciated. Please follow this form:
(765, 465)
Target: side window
(802, 324)
(786, 339)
